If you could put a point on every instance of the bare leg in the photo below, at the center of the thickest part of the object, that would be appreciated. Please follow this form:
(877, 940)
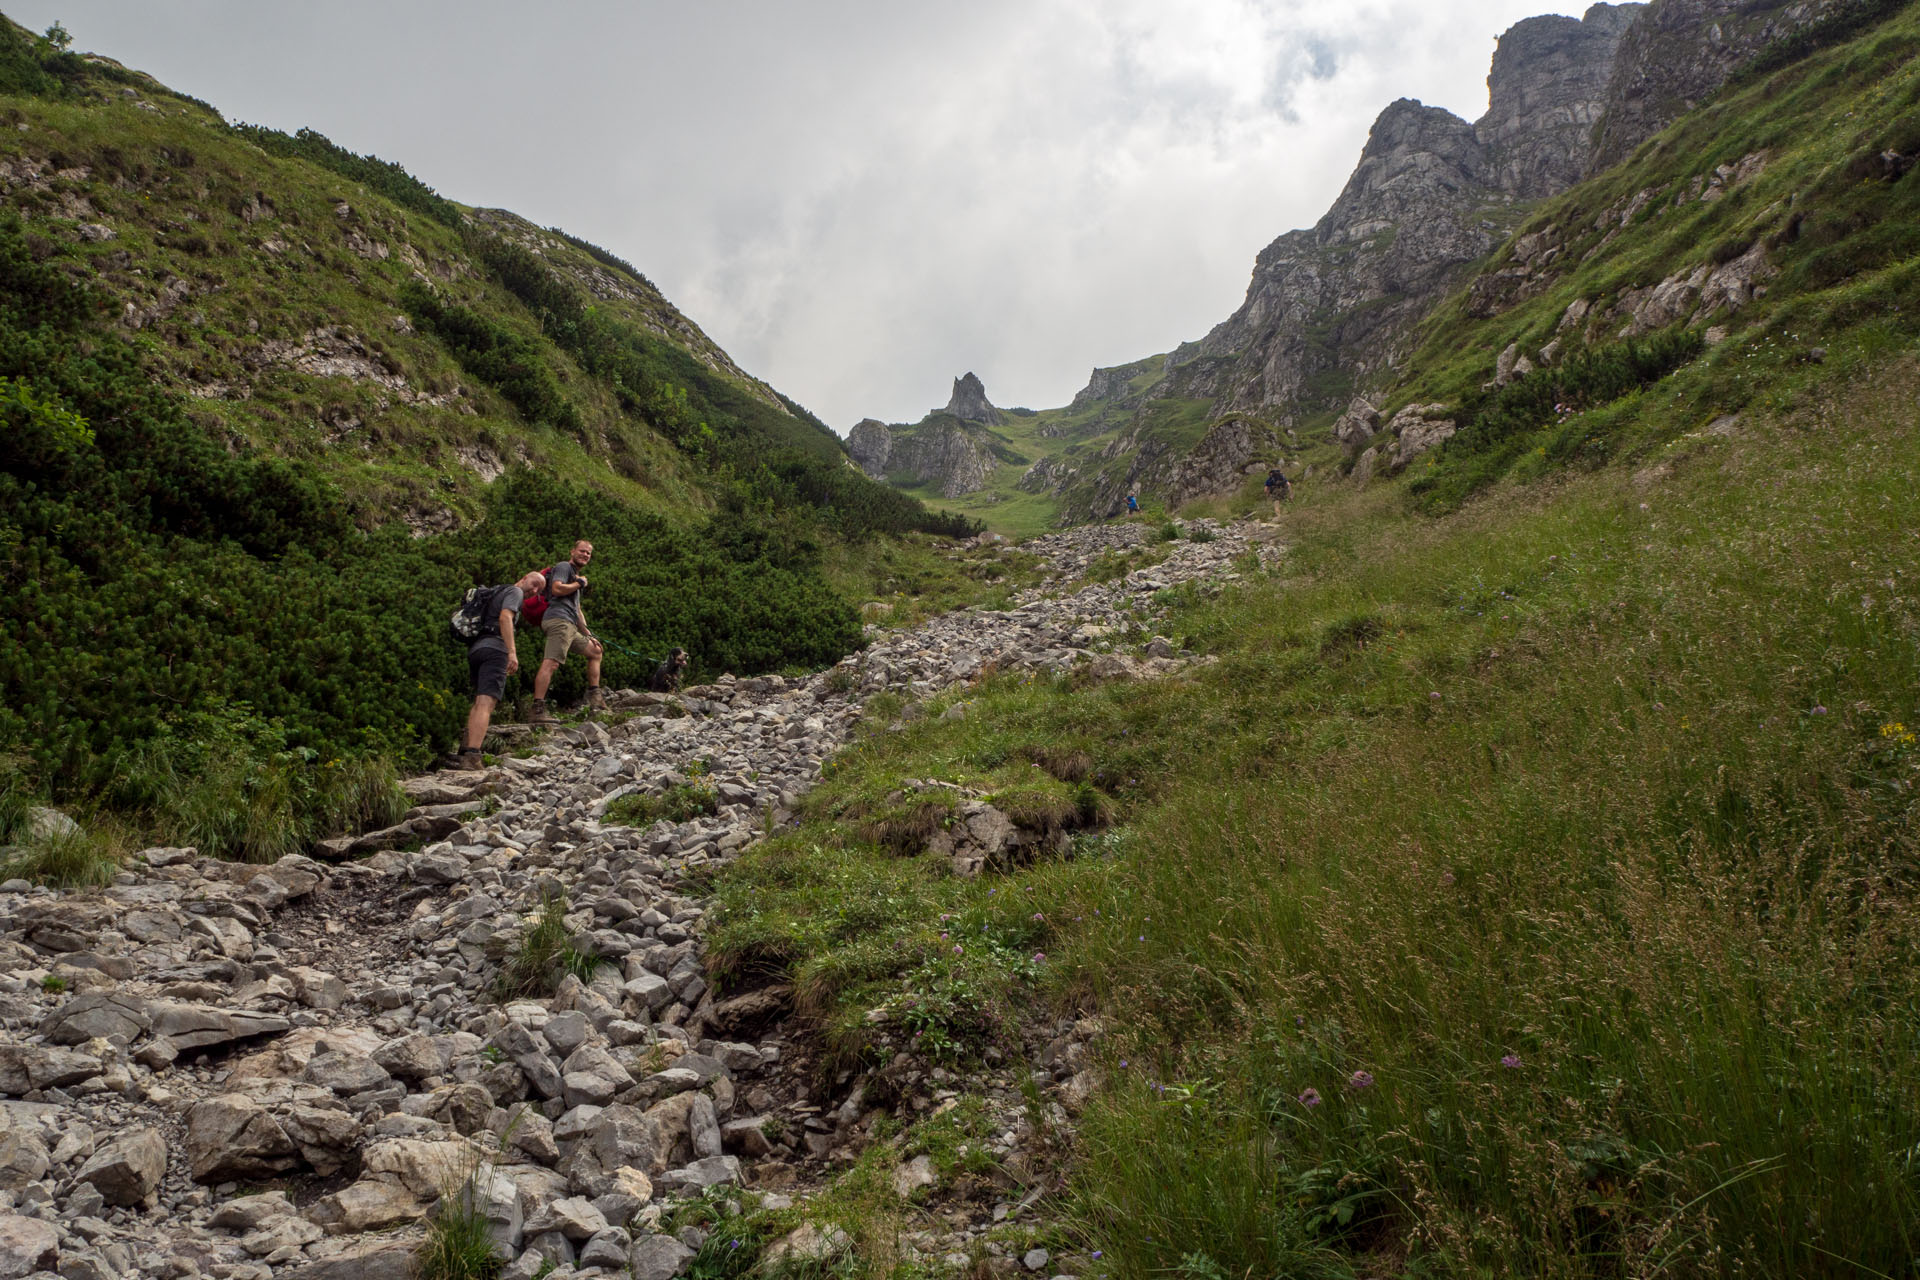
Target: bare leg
(593, 669)
(477, 721)
(543, 677)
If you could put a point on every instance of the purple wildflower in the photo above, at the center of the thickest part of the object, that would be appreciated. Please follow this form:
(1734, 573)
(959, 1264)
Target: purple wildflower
(1360, 1080)
(1309, 1097)
(1511, 1062)
(1818, 711)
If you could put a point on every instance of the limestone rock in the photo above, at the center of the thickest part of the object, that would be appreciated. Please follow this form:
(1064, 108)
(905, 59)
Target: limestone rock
(26, 1067)
(27, 1245)
(128, 1170)
(106, 1014)
(1547, 88)
(232, 1136)
(371, 1204)
(23, 1158)
(870, 445)
(658, 1258)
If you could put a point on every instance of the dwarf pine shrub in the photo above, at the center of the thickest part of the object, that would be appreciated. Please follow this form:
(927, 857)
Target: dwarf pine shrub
(217, 647)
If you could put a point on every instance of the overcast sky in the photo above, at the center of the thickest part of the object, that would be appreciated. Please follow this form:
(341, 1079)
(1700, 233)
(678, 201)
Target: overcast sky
(858, 199)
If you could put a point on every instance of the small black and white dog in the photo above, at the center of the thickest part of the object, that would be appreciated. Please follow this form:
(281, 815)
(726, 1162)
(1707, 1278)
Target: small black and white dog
(667, 676)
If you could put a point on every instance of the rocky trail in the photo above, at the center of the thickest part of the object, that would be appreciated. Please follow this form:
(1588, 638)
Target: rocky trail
(241, 1071)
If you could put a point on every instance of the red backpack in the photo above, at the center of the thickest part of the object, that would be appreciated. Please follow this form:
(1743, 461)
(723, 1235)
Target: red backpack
(532, 609)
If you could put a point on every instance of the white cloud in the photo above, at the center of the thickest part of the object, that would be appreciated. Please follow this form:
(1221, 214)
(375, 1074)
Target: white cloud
(860, 200)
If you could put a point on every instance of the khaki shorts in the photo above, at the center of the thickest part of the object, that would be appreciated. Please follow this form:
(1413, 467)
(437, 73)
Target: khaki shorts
(563, 638)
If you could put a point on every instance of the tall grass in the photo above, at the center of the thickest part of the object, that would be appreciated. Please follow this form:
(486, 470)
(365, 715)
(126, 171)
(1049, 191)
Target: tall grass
(89, 857)
(1589, 949)
(232, 800)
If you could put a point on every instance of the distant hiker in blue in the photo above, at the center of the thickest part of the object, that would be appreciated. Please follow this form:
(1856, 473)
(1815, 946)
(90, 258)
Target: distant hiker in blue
(1133, 505)
(1278, 488)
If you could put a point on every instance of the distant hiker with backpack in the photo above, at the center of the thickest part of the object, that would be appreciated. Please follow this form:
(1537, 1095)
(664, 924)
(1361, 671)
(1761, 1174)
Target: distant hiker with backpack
(565, 625)
(1133, 504)
(488, 614)
(1278, 488)
(667, 676)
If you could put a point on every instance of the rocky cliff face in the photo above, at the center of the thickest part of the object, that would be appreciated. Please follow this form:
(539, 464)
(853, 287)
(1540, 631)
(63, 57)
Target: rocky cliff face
(946, 448)
(1547, 90)
(1135, 462)
(969, 402)
(1677, 53)
(870, 445)
(941, 451)
(1330, 305)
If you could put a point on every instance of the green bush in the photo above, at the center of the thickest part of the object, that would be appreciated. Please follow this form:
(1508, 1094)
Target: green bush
(389, 179)
(680, 803)
(174, 583)
(1497, 426)
(506, 361)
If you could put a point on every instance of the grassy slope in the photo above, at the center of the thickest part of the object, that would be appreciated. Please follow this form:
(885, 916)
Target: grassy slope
(1527, 891)
(270, 256)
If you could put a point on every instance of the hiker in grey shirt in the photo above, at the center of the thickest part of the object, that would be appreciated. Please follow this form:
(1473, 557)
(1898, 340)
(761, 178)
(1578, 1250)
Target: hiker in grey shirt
(565, 626)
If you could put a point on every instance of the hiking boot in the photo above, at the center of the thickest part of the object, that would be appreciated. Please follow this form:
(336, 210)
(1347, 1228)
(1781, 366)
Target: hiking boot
(470, 760)
(540, 713)
(596, 698)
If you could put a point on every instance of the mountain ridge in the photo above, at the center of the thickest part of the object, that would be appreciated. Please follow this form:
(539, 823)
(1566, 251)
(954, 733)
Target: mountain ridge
(1334, 312)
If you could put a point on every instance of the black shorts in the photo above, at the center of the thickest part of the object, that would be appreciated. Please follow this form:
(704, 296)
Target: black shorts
(487, 664)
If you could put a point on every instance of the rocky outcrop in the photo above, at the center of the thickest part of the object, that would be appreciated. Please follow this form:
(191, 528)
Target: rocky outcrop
(1677, 53)
(948, 449)
(870, 445)
(1413, 431)
(1334, 299)
(1105, 384)
(969, 402)
(941, 451)
(1547, 89)
(1335, 304)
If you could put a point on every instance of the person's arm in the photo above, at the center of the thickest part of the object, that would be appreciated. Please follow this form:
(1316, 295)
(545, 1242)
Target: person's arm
(506, 638)
(561, 590)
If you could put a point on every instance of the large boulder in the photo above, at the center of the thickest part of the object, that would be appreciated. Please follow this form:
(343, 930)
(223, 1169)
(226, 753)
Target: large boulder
(265, 1127)
(26, 1067)
(108, 1015)
(234, 1137)
(128, 1170)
